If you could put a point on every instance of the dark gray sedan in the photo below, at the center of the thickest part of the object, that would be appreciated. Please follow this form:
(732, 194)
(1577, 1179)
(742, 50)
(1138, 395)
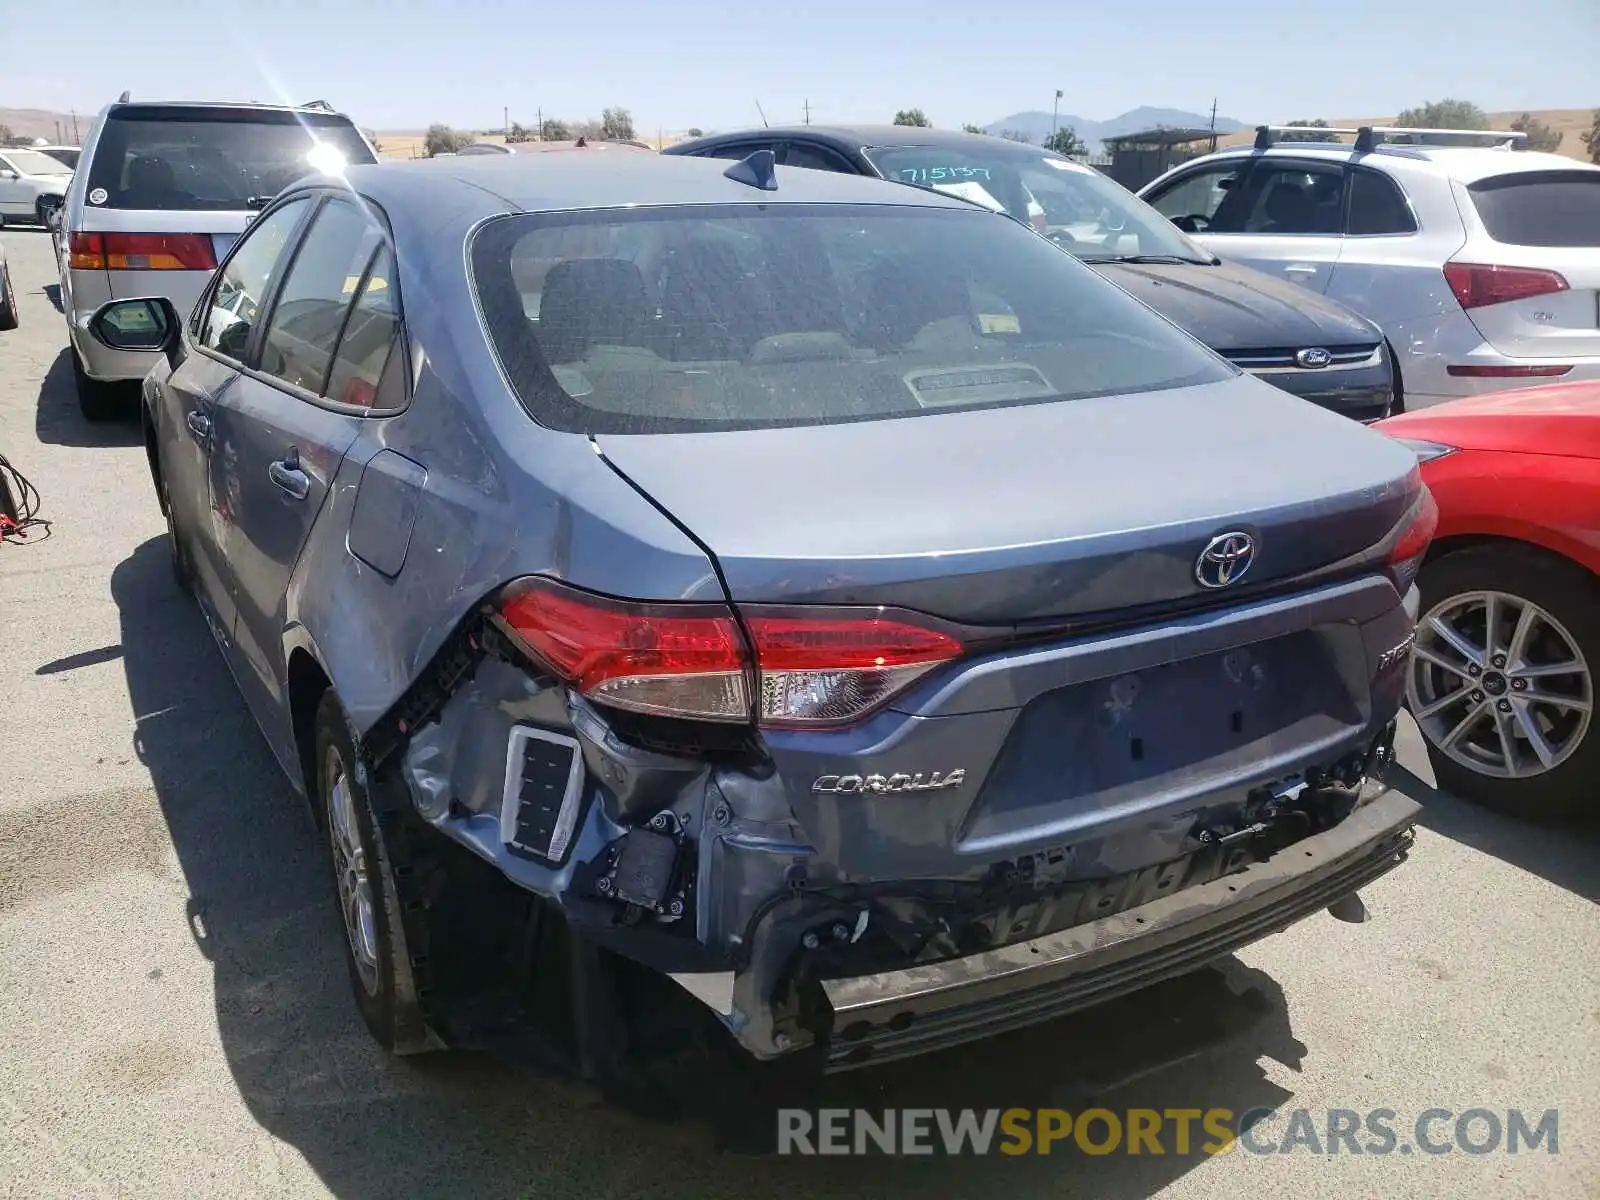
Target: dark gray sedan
(1289, 335)
(811, 607)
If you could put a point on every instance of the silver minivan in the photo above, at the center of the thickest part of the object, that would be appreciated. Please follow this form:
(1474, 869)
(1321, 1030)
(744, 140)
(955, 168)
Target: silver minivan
(160, 194)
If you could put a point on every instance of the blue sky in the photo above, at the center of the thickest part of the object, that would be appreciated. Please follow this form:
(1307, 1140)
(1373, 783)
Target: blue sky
(405, 63)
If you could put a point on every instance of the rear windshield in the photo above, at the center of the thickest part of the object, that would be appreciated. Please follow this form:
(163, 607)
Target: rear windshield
(188, 159)
(1540, 208)
(745, 316)
(35, 162)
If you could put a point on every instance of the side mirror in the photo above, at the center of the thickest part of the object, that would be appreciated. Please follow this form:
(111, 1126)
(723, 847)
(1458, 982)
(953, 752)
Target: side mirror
(143, 324)
(7, 173)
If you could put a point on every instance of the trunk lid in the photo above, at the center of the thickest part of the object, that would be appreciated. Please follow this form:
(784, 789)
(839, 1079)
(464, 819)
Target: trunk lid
(1028, 513)
(1543, 221)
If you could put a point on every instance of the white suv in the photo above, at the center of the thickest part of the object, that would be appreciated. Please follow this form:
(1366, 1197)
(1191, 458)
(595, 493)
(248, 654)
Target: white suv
(1480, 263)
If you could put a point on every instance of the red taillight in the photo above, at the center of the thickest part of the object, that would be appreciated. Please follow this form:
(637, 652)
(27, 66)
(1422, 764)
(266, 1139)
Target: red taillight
(141, 252)
(1476, 284)
(86, 252)
(1414, 540)
(1471, 371)
(691, 660)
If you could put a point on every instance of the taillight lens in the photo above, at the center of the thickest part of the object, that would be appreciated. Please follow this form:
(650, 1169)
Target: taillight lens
(1516, 371)
(1478, 284)
(1413, 541)
(692, 660)
(141, 252)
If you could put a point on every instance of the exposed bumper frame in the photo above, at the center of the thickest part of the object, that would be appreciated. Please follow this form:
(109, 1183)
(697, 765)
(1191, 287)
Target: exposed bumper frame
(897, 1014)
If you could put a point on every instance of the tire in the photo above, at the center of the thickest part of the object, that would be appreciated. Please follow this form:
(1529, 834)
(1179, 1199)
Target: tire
(8, 302)
(380, 973)
(1566, 628)
(98, 400)
(182, 565)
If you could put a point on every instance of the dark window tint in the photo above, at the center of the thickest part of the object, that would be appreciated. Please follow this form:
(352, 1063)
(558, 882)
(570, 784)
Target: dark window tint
(1377, 205)
(747, 316)
(242, 281)
(1283, 199)
(817, 158)
(317, 293)
(211, 159)
(369, 337)
(740, 150)
(1540, 208)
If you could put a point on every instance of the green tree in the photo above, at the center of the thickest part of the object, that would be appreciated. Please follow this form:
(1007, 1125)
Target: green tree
(1444, 114)
(1015, 135)
(912, 116)
(616, 125)
(5, 135)
(1591, 139)
(555, 131)
(1312, 122)
(517, 133)
(1540, 136)
(696, 131)
(372, 136)
(970, 128)
(441, 139)
(1065, 140)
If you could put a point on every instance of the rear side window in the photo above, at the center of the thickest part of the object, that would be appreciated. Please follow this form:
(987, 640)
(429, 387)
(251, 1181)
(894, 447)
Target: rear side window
(370, 337)
(750, 316)
(1540, 208)
(1377, 206)
(188, 159)
(317, 294)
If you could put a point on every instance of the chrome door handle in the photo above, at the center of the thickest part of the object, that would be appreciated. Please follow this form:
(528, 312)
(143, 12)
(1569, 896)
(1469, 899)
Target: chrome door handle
(1300, 269)
(289, 477)
(199, 424)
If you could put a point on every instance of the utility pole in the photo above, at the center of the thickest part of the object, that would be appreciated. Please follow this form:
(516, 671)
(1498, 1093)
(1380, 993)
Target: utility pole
(808, 111)
(1055, 111)
(505, 121)
(75, 139)
(1213, 124)
(539, 116)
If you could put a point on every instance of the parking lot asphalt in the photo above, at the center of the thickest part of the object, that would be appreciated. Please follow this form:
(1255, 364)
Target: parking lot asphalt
(174, 1017)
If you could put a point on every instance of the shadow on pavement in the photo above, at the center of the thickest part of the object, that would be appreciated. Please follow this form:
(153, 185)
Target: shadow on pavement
(58, 422)
(52, 292)
(1566, 854)
(262, 913)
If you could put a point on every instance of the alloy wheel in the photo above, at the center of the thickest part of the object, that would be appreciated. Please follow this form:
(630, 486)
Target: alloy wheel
(351, 872)
(1498, 685)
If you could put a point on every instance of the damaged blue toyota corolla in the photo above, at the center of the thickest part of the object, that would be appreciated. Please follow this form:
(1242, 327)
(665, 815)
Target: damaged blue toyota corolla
(689, 590)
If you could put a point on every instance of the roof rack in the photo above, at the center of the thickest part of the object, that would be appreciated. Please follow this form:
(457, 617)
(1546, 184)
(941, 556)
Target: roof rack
(322, 104)
(1369, 137)
(123, 99)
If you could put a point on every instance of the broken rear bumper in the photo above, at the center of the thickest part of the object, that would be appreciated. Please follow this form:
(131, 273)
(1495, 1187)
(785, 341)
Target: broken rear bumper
(896, 1014)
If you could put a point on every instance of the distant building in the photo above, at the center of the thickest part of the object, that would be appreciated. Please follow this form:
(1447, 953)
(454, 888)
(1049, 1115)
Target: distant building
(1137, 158)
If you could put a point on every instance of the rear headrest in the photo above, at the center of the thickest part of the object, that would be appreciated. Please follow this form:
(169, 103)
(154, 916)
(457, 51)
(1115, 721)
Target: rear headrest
(590, 300)
(149, 174)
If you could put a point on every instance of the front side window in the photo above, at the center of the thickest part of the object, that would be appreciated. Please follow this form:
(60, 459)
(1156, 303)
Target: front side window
(1191, 203)
(751, 316)
(815, 158)
(242, 281)
(199, 159)
(1283, 199)
(1075, 206)
(309, 314)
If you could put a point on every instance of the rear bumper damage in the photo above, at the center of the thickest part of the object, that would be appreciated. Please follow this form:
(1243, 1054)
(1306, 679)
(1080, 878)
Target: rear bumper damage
(895, 1014)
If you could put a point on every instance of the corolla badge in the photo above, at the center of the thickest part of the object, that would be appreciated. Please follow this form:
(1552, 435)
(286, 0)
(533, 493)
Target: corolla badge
(900, 782)
(1312, 358)
(1225, 559)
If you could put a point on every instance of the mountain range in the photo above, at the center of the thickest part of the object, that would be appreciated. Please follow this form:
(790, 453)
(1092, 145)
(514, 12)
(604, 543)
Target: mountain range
(1036, 125)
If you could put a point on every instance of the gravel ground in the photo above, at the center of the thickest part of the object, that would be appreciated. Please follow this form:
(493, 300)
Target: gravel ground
(173, 1011)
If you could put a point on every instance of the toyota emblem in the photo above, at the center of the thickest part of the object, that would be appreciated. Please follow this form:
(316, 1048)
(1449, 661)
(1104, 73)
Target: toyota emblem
(1225, 559)
(1313, 359)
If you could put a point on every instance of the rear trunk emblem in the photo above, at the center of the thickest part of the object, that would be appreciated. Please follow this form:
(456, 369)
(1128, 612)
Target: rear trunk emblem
(1225, 559)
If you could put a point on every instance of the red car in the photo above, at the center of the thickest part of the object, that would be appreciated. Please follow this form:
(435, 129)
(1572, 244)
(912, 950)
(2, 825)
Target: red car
(1502, 673)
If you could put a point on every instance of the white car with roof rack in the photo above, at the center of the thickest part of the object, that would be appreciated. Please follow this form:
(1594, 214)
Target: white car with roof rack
(1480, 260)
